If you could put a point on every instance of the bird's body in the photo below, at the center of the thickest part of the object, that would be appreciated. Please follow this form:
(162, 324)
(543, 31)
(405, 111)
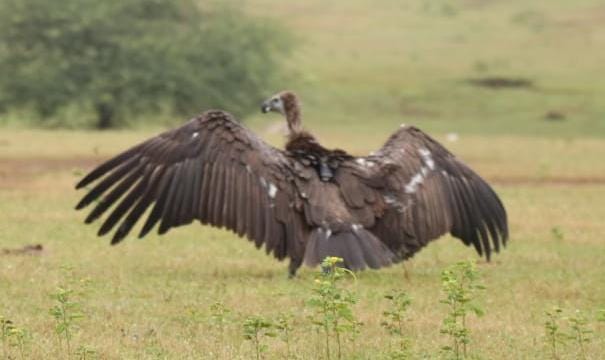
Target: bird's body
(305, 202)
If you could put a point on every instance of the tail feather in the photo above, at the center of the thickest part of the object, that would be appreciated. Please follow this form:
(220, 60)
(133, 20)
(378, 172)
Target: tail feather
(358, 248)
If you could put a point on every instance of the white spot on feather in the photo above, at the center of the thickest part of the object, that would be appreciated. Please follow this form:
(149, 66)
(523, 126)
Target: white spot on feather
(394, 203)
(364, 162)
(263, 182)
(412, 185)
(430, 163)
(249, 169)
(424, 152)
(389, 199)
(272, 190)
(328, 233)
(427, 158)
(356, 227)
(195, 134)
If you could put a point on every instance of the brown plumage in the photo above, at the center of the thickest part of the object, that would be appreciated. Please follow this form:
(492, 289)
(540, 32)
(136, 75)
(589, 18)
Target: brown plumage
(305, 202)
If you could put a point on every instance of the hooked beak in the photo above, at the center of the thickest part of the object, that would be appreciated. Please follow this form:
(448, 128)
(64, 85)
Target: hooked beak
(265, 107)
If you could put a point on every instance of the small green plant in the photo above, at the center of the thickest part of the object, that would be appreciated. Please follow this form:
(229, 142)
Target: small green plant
(580, 332)
(601, 315)
(255, 329)
(86, 353)
(333, 305)
(67, 310)
(554, 334)
(5, 329)
(220, 317)
(394, 319)
(460, 283)
(283, 324)
(12, 337)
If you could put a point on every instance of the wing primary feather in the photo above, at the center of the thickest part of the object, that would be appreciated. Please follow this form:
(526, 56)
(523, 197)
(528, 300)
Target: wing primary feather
(233, 198)
(250, 207)
(241, 203)
(218, 198)
(169, 205)
(478, 217)
(161, 195)
(109, 165)
(145, 200)
(209, 186)
(204, 193)
(472, 220)
(124, 206)
(115, 194)
(106, 183)
(228, 187)
(197, 187)
(185, 213)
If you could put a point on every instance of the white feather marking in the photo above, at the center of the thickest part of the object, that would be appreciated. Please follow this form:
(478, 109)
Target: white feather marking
(263, 182)
(328, 233)
(389, 199)
(427, 158)
(272, 190)
(356, 227)
(195, 134)
(364, 162)
(430, 163)
(412, 186)
(424, 152)
(249, 169)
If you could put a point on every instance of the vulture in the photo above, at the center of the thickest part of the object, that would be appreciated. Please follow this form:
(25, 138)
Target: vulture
(305, 202)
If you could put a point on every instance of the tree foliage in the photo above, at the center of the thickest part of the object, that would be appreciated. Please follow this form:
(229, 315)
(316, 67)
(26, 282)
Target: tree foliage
(115, 59)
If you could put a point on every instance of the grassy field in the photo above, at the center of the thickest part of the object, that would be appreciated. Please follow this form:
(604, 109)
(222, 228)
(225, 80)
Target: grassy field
(362, 69)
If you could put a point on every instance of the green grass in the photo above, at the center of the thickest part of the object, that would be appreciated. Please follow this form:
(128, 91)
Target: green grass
(362, 68)
(385, 63)
(150, 298)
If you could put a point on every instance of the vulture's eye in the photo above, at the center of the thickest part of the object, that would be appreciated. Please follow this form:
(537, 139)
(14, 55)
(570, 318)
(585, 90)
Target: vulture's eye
(275, 101)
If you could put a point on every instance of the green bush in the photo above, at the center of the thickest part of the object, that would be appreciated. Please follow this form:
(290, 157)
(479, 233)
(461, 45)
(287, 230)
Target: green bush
(117, 59)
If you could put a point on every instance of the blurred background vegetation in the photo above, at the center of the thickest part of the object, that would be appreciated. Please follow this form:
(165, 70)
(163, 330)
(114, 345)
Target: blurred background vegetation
(88, 63)
(468, 66)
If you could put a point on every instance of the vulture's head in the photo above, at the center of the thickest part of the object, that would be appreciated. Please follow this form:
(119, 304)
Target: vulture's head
(285, 103)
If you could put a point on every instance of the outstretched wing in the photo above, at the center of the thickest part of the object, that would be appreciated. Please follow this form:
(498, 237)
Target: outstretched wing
(427, 192)
(211, 169)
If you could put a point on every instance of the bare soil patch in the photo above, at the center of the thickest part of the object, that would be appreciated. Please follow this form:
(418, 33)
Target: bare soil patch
(18, 172)
(497, 82)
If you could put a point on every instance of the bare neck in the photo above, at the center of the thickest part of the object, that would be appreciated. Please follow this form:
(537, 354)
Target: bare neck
(294, 121)
(292, 112)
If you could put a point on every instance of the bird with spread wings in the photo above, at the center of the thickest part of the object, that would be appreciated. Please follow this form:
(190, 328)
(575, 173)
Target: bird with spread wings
(305, 202)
